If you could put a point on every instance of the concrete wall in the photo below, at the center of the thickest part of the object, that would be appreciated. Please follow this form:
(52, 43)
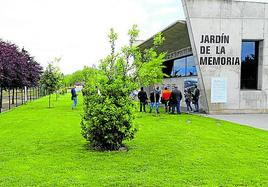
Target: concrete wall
(240, 21)
(179, 82)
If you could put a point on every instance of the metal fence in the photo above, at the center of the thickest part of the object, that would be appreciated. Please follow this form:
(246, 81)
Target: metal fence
(11, 98)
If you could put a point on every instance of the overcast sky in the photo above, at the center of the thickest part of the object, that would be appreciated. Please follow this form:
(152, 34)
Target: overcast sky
(76, 30)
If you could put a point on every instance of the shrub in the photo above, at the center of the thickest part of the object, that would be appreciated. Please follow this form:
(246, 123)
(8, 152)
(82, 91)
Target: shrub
(108, 106)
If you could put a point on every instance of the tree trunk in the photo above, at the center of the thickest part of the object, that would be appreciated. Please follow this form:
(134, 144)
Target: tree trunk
(13, 96)
(9, 99)
(155, 101)
(27, 94)
(16, 97)
(36, 92)
(30, 94)
(22, 96)
(49, 100)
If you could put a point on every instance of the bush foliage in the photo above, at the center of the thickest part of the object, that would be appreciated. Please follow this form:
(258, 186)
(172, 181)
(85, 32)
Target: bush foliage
(109, 109)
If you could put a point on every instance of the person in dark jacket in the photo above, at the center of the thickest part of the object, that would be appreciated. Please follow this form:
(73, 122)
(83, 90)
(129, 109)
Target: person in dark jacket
(175, 99)
(196, 94)
(155, 99)
(188, 99)
(74, 97)
(142, 95)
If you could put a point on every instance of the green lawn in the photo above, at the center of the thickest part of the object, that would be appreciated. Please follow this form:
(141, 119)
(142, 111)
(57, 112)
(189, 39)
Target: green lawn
(43, 147)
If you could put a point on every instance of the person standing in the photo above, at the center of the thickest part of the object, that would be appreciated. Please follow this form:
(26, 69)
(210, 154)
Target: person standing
(165, 98)
(176, 97)
(142, 95)
(74, 97)
(188, 99)
(196, 94)
(155, 99)
(83, 91)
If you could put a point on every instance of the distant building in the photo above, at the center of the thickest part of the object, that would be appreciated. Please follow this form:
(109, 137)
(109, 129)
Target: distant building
(223, 47)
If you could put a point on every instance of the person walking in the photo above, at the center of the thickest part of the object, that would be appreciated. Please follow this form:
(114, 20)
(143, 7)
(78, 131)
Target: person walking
(176, 97)
(74, 97)
(165, 98)
(188, 100)
(142, 96)
(196, 94)
(155, 99)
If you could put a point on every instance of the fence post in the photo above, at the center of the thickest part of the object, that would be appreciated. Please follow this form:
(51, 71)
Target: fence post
(16, 97)
(1, 98)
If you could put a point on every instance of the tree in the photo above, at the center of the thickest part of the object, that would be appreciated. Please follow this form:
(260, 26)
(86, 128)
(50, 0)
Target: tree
(109, 109)
(50, 80)
(80, 76)
(17, 68)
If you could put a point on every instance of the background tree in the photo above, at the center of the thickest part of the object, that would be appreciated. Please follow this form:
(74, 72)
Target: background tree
(17, 68)
(80, 76)
(50, 80)
(109, 109)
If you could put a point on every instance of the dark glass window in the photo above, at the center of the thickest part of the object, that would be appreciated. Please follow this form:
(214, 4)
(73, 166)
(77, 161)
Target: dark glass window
(190, 68)
(179, 68)
(184, 67)
(167, 69)
(249, 66)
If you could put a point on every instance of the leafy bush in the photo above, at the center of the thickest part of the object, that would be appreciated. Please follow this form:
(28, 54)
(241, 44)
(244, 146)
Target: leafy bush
(108, 119)
(108, 107)
(62, 90)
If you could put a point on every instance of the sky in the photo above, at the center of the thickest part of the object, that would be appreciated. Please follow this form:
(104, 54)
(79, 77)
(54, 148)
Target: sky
(262, 1)
(77, 30)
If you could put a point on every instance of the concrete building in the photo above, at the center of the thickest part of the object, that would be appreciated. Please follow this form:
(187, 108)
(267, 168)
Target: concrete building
(222, 46)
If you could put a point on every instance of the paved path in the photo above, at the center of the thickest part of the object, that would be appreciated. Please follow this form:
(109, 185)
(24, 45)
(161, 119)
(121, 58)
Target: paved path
(254, 120)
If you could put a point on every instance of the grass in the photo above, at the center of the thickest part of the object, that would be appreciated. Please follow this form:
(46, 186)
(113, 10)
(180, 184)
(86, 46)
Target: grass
(43, 147)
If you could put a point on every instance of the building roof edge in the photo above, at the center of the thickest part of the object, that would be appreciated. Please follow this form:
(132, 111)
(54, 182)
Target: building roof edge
(166, 28)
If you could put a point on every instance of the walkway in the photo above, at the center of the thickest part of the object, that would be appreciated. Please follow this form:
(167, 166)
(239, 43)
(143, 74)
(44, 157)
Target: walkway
(254, 120)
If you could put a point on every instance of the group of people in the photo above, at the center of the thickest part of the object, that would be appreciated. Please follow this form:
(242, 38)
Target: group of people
(170, 99)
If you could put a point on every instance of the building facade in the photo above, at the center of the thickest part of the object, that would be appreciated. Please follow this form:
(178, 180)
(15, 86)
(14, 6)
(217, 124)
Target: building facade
(223, 47)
